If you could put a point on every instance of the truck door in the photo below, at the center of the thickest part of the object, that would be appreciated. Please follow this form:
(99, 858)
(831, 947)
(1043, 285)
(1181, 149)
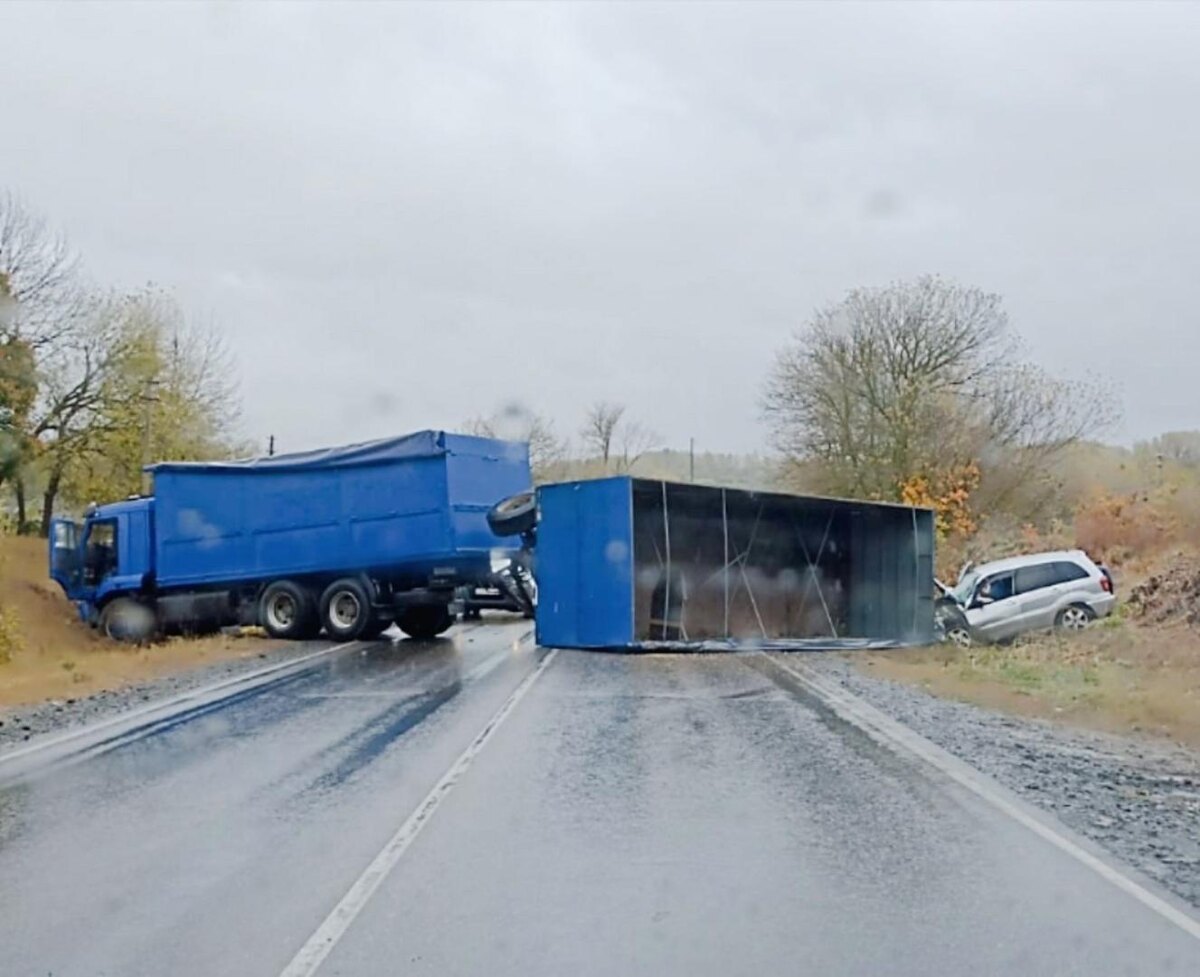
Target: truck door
(99, 554)
(65, 563)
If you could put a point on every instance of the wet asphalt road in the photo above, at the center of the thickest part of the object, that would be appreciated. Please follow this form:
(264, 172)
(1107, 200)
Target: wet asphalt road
(632, 815)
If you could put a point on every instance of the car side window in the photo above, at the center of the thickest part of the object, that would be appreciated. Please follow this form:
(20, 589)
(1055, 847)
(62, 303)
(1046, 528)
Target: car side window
(1068, 571)
(1036, 577)
(999, 587)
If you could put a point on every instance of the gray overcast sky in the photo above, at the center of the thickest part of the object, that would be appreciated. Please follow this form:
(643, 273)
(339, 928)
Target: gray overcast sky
(401, 216)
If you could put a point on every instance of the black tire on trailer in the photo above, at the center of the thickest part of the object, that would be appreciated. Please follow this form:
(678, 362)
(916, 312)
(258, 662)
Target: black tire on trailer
(287, 610)
(515, 515)
(425, 621)
(346, 609)
(127, 620)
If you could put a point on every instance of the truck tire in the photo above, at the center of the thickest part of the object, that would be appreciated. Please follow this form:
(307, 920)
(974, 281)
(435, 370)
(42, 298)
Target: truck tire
(287, 610)
(346, 609)
(425, 621)
(128, 620)
(515, 515)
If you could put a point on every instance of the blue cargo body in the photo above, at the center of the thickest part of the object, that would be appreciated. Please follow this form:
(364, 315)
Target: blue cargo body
(363, 534)
(636, 564)
(411, 504)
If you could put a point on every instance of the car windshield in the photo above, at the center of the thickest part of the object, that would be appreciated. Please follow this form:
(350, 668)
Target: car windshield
(965, 587)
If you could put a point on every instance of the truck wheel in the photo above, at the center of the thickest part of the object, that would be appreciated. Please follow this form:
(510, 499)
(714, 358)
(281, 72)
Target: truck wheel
(513, 516)
(125, 619)
(286, 610)
(346, 609)
(425, 622)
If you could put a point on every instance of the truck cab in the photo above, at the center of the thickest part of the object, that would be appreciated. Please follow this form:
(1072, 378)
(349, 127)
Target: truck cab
(109, 554)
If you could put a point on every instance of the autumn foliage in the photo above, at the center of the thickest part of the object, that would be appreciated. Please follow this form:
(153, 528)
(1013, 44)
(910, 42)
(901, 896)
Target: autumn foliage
(948, 493)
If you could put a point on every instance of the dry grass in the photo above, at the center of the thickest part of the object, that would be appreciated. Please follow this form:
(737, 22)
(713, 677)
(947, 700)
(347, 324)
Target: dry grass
(52, 655)
(1119, 676)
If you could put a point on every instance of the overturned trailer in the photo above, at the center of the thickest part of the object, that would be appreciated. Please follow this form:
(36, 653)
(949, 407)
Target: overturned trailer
(638, 564)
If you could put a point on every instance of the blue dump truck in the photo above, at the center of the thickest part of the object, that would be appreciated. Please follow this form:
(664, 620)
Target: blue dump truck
(345, 540)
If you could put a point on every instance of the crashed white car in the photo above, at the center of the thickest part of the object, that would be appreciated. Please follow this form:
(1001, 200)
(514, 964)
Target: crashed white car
(1000, 600)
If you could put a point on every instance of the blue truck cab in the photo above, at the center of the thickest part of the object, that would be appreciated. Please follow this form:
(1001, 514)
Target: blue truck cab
(345, 540)
(111, 553)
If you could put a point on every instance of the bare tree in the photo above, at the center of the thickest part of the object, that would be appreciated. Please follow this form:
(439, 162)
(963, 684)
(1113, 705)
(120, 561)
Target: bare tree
(600, 428)
(39, 273)
(514, 422)
(634, 441)
(75, 388)
(917, 378)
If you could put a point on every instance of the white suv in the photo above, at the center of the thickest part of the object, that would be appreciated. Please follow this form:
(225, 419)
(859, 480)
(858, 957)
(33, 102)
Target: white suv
(1000, 600)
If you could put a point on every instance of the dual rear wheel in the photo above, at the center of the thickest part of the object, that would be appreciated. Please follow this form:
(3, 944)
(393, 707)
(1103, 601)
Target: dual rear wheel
(344, 611)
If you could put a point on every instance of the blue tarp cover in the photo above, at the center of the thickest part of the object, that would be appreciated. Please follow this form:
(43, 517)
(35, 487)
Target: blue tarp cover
(422, 444)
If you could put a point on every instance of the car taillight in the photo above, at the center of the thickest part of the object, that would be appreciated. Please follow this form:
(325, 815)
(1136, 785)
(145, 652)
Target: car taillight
(1106, 583)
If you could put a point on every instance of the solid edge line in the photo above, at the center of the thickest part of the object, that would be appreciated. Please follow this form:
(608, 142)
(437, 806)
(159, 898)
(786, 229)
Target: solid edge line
(318, 946)
(248, 679)
(897, 736)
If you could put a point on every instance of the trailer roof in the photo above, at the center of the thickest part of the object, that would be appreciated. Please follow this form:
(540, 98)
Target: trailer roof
(840, 500)
(421, 444)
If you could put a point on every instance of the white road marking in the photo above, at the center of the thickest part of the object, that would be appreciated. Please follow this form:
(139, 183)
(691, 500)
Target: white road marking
(310, 956)
(165, 707)
(898, 737)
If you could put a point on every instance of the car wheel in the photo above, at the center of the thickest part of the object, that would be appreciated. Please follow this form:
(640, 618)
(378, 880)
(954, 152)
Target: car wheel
(287, 610)
(952, 624)
(1075, 618)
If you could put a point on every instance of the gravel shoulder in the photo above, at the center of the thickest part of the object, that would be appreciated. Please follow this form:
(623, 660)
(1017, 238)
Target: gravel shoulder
(21, 724)
(1138, 798)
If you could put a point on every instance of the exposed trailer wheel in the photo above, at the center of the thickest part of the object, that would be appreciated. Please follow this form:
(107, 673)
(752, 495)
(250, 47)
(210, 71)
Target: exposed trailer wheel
(513, 516)
(128, 620)
(346, 610)
(425, 621)
(287, 610)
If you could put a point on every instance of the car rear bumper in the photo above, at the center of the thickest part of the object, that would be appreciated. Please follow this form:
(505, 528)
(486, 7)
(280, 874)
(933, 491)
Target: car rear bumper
(1103, 606)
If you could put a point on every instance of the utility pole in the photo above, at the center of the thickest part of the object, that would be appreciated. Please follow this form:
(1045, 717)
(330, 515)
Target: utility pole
(148, 398)
(271, 446)
(692, 458)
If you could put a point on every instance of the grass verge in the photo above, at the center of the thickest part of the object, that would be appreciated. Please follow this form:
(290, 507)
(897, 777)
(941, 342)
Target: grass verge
(1118, 676)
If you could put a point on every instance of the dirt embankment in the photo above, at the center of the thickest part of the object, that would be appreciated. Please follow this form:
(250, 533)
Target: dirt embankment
(51, 654)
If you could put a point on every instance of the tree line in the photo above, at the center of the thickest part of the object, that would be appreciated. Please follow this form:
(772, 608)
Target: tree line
(95, 383)
(917, 392)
